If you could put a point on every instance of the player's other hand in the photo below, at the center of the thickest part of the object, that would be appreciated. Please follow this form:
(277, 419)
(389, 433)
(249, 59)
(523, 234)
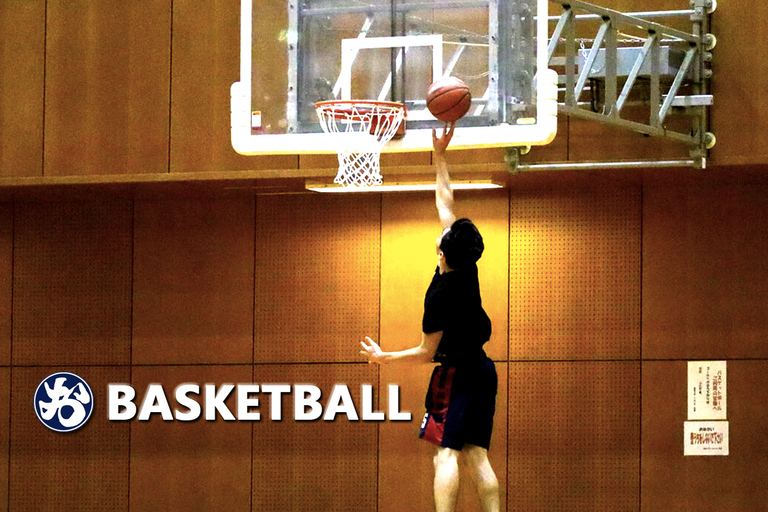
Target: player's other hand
(372, 351)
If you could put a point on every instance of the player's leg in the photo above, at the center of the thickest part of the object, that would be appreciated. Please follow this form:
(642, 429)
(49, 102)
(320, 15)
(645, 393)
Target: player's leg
(485, 478)
(446, 486)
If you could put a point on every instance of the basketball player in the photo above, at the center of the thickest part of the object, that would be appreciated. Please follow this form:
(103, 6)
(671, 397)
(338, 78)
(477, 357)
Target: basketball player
(462, 392)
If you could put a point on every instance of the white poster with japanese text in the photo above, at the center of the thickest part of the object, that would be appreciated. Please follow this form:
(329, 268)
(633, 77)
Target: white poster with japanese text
(706, 390)
(706, 438)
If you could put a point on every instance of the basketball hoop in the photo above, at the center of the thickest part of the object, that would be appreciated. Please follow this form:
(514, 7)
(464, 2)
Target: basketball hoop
(362, 129)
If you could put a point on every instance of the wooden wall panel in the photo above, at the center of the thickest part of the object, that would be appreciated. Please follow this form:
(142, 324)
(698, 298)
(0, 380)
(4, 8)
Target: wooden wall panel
(574, 269)
(206, 61)
(389, 161)
(406, 471)
(644, 5)
(193, 284)
(409, 231)
(5, 433)
(315, 465)
(597, 142)
(22, 36)
(410, 227)
(704, 273)
(182, 466)
(739, 116)
(72, 283)
(555, 151)
(574, 436)
(405, 468)
(116, 103)
(6, 281)
(317, 276)
(473, 156)
(107, 87)
(319, 162)
(85, 470)
(121, 69)
(671, 481)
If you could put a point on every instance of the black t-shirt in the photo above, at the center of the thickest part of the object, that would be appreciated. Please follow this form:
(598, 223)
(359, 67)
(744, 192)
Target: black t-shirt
(453, 305)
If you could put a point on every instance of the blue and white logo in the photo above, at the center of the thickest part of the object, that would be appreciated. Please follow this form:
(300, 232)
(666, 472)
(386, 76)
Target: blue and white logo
(63, 402)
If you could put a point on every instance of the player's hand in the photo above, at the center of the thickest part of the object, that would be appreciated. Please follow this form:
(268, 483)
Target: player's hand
(372, 351)
(441, 143)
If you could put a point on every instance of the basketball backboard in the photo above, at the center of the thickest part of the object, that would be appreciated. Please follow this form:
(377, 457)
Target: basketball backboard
(295, 53)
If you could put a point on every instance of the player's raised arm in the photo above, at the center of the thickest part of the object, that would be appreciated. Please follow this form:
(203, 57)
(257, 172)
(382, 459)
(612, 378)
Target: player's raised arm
(444, 192)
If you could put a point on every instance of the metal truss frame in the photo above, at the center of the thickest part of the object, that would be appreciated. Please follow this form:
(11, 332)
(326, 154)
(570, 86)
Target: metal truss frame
(649, 43)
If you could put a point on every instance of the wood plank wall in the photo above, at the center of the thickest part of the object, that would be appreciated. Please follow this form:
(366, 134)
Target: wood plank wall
(107, 88)
(600, 287)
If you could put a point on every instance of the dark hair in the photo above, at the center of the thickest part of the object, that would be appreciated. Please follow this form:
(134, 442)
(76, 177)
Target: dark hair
(462, 244)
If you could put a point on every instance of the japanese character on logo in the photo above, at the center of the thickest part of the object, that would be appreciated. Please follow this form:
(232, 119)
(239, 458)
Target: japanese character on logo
(63, 402)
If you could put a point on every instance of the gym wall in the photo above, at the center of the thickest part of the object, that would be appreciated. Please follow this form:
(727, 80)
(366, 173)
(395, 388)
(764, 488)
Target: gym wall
(145, 90)
(601, 286)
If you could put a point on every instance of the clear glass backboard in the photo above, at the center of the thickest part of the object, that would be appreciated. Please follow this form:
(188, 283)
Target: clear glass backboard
(299, 52)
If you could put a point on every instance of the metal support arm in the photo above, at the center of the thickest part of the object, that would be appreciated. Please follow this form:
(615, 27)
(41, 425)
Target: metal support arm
(662, 72)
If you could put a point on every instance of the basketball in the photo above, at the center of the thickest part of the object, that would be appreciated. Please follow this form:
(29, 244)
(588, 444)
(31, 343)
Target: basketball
(448, 99)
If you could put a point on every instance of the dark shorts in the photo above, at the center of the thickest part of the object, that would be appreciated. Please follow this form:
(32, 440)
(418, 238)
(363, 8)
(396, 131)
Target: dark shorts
(460, 402)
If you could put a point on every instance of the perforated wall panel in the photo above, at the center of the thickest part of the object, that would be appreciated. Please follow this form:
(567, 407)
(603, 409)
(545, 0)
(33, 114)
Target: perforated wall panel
(5, 434)
(704, 274)
(317, 277)
(86, 470)
(72, 283)
(199, 465)
(315, 465)
(574, 436)
(405, 461)
(575, 272)
(6, 275)
(672, 481)
(193, 281)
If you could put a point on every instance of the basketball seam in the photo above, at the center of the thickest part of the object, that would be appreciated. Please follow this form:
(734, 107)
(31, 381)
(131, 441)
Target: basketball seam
(449, 108)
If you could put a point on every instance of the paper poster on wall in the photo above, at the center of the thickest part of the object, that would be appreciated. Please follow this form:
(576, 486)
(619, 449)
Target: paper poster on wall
(706, 390)
(706, 438)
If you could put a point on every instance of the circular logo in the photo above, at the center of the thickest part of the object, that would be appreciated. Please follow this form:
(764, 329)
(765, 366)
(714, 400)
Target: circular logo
(63, 402)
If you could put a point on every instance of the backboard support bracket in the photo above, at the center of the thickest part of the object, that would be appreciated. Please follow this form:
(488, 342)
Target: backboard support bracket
(672, 63)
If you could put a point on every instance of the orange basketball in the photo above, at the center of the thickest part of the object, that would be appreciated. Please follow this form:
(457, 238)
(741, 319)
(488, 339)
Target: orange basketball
(448, 99)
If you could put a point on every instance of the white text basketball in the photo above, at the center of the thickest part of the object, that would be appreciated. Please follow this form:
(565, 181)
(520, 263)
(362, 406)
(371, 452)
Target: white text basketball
(208, 402)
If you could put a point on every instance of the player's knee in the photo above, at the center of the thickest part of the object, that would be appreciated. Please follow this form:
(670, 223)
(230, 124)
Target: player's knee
(445, 457)
(478, 461)
(476, 455)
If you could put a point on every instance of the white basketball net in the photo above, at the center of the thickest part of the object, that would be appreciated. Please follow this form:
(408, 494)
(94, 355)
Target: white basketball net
(362, 130)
